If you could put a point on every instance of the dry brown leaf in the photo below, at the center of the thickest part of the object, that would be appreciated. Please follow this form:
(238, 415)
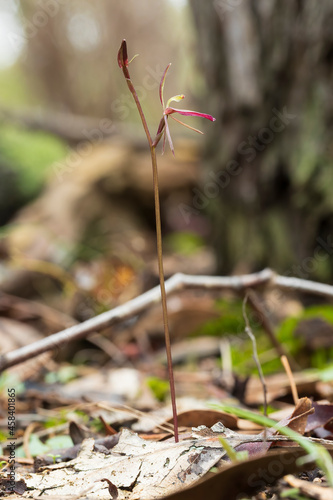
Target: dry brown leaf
(278, 386)
(15, 334)
(194, 418)
(137, 468)
(244, 478)
(322, 417)
(298, 420)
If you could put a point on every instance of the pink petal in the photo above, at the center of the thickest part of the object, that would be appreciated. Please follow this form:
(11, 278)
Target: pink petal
(187, 112)
(162, 84)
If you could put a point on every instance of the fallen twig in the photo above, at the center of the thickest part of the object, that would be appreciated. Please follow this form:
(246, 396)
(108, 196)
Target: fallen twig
(176, 283)
(249, 332)
(67, 126)
(293, 387)
(268, 327)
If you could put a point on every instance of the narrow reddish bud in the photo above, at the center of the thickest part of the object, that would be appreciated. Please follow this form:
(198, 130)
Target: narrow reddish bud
(122, 55)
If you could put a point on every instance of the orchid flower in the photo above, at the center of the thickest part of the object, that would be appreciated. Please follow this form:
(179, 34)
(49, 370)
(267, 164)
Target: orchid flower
(163, 128)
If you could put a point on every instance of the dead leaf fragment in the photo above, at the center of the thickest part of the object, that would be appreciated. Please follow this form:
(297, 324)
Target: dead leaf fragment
(194, 418)
(19, 486)
(279, 386)
(138, 469)
(113, 490)
(243, 478)
(298, 420)
(322, 417)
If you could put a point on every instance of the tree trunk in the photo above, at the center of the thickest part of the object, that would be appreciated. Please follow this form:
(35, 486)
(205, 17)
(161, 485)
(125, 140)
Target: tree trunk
(268, 68)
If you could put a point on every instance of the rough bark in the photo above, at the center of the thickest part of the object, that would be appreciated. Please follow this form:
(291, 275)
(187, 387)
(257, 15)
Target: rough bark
(272, 198)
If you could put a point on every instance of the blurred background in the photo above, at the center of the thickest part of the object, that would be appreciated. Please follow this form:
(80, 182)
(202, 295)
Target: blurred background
(77, 223)
(75, 181)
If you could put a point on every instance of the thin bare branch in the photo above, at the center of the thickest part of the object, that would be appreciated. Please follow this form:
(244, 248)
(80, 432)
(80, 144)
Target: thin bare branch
(174, 284)
(268, 327)
(249, 332)
(67, 126)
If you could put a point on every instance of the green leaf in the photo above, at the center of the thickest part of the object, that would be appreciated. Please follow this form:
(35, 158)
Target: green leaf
(10, 380)
(58, 442)
(36, 447)
(326, 375)
(324, 311)
(235, 456)
(30, 153)
(63, 375)
(186, 243)
(160, 388)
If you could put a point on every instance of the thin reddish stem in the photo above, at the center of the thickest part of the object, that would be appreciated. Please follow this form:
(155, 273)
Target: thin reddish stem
(123, 63)
(163, 293)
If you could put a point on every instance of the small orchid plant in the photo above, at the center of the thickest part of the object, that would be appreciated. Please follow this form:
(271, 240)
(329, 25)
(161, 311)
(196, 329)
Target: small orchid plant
(162, 131)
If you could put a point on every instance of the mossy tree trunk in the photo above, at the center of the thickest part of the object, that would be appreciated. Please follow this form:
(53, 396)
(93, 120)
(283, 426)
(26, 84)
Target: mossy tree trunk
(268, 69)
